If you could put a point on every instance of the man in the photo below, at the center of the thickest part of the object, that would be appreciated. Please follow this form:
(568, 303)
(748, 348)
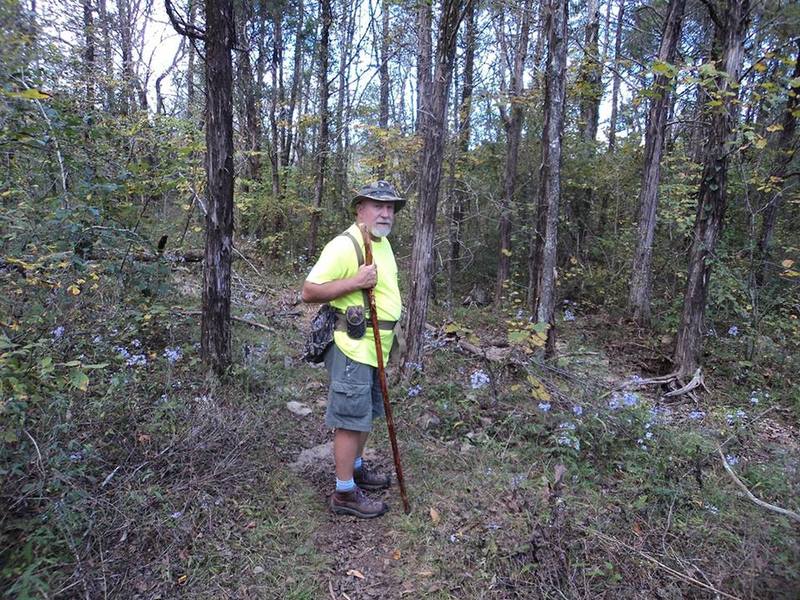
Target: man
(354, 399)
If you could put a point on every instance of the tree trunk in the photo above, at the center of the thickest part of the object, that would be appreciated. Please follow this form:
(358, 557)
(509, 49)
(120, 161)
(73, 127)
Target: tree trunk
(464, 117)
(275, 68)
(249, 94)
(126, 37)
(190, 65)
(786, 153)
(108, 59)
(215, 340)
(433, 121)
(513, 127)
(639, 295)
(712, 195)
(542, 263)
(612, 122)
(590, 84)
(424, 18)
(322, 143)
(348, 21)
(297, 76)
(88, 51)
(383, 116)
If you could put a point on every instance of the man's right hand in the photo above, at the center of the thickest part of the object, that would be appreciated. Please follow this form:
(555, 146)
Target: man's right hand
(367, 277)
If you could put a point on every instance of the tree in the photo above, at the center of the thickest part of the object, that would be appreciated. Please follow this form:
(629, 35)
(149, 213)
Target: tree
(542, 260)
(639, 296)
(322, 140)
(512, 123)
(712, 195)
(219, 37)
(432, 120)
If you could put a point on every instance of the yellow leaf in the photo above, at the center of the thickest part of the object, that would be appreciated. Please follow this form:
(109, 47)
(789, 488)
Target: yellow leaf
(183, 579)
(791, 273)
(356, 573)
(74, 290)
(396, 555)
(776, 127)
(435, 516)
(761, 143)
(760, 67)
(787, 263)
(573, 260)
(506, 252)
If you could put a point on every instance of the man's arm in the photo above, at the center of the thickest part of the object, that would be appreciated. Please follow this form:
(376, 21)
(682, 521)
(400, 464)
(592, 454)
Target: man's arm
(366, 278)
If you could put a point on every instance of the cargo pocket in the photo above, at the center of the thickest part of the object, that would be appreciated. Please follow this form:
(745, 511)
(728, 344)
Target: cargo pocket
(351, 399)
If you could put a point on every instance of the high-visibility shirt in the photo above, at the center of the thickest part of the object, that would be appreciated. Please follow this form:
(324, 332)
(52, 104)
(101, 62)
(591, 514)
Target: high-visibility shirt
(339, 261)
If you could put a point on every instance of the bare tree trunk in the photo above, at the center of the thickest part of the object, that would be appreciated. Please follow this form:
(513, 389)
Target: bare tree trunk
(591, 85)
(108, 59)
(250, 98)
(348, 21)
(160, 109)
(424, 50)
(88, 51)
(433, 122)
(464, 116)
(542, 263)
(126, 37)
(275, 67)
(322, 144)
(513, 126)
(215, 341)
(297, 77)
(787, 152)
(712, 195)
(612, 122)
(383, 118)
(190, 66)
(639, 294)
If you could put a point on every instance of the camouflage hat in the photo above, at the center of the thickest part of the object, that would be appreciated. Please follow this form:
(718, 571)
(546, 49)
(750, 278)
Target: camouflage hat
(382, 191)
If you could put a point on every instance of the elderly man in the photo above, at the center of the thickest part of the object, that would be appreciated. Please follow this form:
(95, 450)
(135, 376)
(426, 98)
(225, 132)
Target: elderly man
(341, 279)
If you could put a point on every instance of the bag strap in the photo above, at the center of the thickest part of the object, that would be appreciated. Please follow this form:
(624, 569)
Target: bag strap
(360, 258)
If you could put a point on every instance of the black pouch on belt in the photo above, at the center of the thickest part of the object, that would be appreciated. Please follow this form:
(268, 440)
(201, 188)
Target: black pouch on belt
(356, 323)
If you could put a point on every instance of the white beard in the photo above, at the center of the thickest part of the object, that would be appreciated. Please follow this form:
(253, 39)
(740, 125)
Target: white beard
(380, 230)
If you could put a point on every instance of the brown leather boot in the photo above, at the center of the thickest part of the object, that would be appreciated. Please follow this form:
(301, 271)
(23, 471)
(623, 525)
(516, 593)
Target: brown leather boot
(369, 480)
(356, 503)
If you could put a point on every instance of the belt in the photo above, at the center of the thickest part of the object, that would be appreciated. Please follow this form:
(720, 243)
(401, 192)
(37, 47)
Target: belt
(341, 322)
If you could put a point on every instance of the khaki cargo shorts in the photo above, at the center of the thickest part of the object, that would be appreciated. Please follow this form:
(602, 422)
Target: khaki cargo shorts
(354, 396)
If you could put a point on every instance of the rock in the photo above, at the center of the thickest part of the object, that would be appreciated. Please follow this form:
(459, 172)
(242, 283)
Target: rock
(298, 408)
(429, 420)
(320, 458)
(258, 570)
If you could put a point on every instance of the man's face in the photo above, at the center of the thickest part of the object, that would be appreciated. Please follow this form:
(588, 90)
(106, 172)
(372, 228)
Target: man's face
(378, 216)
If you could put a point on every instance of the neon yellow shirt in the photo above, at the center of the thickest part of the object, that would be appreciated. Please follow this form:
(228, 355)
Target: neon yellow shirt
(339, 261)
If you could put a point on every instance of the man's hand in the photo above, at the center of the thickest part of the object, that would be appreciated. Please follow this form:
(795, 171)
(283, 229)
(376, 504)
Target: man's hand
(367, 277)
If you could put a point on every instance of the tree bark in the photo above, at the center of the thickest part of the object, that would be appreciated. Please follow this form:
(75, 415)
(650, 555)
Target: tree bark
(322, 141)
(250, 98)
(612, 122)
(512, 122)
(542, 263)
(712, 194)
(89, 51)
(639, 294)
(275, 154)
(215, 340)
(464, 122)
(786, 153)
(424, 50)
(430, 171)
(297, 77)
(383, 112)
(190, 65)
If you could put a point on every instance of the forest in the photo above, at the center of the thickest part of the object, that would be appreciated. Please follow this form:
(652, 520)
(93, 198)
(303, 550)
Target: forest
(599, 261)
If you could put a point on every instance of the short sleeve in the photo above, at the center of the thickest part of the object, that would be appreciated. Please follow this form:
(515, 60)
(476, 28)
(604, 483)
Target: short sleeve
(334, 261)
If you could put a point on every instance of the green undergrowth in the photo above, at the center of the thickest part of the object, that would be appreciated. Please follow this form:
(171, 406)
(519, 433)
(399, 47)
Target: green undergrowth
(128, 473)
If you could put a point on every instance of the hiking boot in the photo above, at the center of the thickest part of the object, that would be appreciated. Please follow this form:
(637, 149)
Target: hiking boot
(370, 480)
(356, 503)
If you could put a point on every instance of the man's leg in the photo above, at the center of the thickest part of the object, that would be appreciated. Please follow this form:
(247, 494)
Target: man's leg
(364, 477)
(347, 445)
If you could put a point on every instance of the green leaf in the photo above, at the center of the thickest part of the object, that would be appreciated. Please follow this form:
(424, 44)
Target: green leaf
(29, 94)
(79, 380)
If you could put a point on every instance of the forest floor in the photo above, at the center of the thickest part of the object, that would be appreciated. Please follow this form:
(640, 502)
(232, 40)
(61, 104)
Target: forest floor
(556, 480)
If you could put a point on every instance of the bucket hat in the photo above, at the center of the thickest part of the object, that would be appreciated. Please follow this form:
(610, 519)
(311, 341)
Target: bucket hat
(380, 190)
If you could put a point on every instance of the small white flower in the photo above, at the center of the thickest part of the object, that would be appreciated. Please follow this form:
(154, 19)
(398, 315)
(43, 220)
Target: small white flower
(479, 379)
(578, 410)
(173, 354)
(569, 315)
(58, 332)
(630, 398)
(733, 331)
(696, 415)
(136, 343)
(414, 391)
(731, 459)
(136, 360)
(544, 406)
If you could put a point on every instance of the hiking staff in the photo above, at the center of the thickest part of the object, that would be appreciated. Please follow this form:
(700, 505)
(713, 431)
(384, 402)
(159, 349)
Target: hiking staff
(382, 372)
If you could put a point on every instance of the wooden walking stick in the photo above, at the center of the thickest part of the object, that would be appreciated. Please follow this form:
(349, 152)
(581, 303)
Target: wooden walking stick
(382, 372)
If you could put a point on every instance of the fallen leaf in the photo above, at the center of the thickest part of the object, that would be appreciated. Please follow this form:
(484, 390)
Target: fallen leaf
(183, 579)
(356, 573)
(250, 525)
(435, 516)
(425, 573)
(396, 555)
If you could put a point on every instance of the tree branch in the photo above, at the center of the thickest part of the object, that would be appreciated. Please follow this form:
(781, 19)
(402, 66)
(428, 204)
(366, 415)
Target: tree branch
(181, 26)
